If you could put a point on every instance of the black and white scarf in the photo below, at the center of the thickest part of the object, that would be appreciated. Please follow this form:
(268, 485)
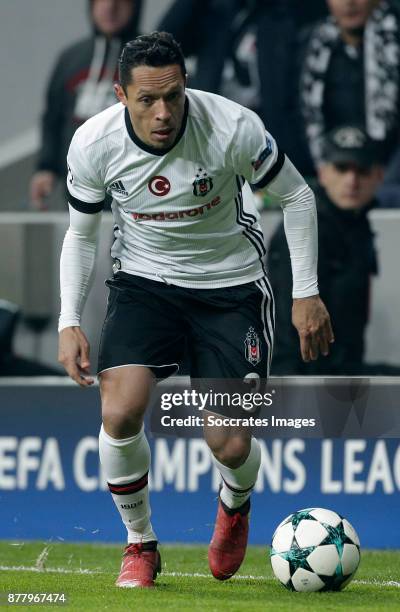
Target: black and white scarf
(381, 66)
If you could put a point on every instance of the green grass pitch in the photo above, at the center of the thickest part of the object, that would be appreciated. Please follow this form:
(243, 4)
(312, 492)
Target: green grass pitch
(86, 574)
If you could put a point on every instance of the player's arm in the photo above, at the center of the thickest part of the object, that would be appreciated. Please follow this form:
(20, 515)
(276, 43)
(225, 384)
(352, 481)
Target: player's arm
(77, 263)
(309, 314)
(256, 156)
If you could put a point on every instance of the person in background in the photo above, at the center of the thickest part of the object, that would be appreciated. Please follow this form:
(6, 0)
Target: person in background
(278, 25)
(191, 23)
(350, 74)
(12, 364)
(249, 54)
(81, 85)
(349, 177)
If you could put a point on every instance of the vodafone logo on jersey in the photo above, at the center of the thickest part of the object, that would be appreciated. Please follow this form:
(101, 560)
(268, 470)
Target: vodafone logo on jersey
(159, 186)
(179, 214)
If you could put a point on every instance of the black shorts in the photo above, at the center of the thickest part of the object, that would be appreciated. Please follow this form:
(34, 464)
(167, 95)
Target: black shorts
(227, 332)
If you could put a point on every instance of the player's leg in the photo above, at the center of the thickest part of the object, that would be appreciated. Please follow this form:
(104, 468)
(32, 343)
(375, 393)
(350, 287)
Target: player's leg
(124, 449)
(236, 454)
(125, 458)
(138, 344)
(236, 347)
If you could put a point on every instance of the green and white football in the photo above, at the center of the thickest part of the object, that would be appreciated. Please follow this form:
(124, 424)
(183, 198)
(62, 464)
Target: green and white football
(315, 550)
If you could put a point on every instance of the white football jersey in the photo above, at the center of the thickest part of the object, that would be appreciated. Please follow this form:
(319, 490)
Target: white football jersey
(184, 215)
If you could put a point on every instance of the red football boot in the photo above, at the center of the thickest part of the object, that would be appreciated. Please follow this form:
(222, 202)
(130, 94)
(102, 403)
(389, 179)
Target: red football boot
(228, 544)
(140, 565)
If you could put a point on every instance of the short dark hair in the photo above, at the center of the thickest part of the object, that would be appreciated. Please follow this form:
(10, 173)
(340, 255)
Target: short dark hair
(155, 49)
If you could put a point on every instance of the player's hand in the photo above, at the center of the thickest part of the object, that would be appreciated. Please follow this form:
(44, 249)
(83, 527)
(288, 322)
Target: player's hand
(42, 184)
(312, 321)
(73, 354)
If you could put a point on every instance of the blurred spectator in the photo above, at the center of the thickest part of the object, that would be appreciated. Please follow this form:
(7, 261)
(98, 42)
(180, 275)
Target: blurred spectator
(11, 364)
(203, 29)
(81, 85)
(350, 73)
(244, 50)
(349, 177)
(278, 23)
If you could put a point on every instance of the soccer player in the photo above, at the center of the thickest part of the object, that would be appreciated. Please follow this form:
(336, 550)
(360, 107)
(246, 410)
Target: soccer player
(188, 265)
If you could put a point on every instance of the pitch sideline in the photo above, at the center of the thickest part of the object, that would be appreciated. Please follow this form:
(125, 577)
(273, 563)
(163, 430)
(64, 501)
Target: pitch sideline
(62, 570)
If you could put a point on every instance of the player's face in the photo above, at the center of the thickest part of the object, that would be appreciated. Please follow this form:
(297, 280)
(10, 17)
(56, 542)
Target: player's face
(351, 14)
(349, 186)
(111, 16)
(156, 102)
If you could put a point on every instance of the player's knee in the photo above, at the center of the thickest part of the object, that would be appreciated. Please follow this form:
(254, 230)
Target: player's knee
(231, 451)
(121, 422)
(123, 405)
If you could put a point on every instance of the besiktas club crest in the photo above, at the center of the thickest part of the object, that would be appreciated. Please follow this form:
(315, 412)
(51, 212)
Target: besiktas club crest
(202, 184)
(252, 347)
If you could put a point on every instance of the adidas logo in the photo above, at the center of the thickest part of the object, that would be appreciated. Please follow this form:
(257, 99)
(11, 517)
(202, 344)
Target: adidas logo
(119, 187)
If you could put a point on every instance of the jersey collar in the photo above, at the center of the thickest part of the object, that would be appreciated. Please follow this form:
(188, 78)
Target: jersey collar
(153, 150)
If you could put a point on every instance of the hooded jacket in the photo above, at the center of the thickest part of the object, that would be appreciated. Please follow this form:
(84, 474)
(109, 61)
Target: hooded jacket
(80, 85)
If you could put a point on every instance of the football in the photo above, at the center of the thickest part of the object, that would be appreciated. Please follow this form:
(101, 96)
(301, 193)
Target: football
(315, 550)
